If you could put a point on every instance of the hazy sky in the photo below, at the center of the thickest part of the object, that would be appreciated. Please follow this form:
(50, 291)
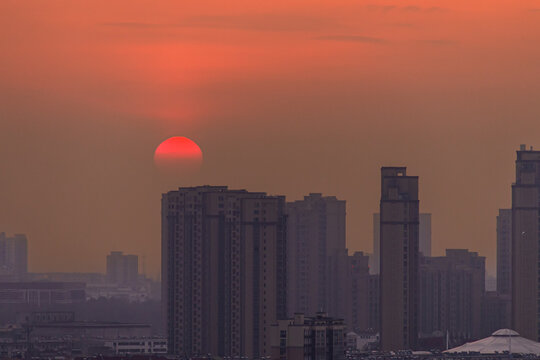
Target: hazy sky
(288, 97)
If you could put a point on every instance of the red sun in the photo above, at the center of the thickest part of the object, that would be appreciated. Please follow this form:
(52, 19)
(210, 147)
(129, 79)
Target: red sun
(178, 156)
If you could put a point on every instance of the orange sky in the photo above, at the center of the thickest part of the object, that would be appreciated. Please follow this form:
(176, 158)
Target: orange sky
(288, 97)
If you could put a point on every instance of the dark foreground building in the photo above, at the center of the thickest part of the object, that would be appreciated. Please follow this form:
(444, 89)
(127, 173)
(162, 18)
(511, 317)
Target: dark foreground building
(525, 244)
(399, 232)
(223, 270)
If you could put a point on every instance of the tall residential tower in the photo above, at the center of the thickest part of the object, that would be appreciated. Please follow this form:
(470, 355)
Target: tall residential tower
(399, 231)
(525, 244)
(504, 251)
(424, 239)
(316, 255)
(223, 270)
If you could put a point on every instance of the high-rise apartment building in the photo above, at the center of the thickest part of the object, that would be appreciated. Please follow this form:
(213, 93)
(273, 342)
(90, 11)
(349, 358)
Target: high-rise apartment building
(376, 268)
(451, 293)
(13, 255)
(399, 232)
(122, 269)
(357, 317)
(316, 255)
(223, 270)
(504, 251)
(525, 244)
(424, 234)
(424, 239)
(374, 305)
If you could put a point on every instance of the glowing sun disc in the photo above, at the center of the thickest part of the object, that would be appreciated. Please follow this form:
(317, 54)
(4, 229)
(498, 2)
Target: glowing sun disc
(178, 155)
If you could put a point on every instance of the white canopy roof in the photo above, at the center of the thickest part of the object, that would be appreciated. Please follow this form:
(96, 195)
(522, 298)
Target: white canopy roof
(500, 341)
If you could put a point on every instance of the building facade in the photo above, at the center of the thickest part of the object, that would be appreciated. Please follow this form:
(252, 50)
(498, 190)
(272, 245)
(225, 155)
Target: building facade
(13, 256)
(399, 232)
(424, 239)
(122, 269)
(357, 318)
(424, 234)
(308, 338)
(495, 312)
(374, 302)
(137, 346)
(316, 255)
(504, 251)
(525, 244)
(223, 270)
(451, 295)
(42, 293)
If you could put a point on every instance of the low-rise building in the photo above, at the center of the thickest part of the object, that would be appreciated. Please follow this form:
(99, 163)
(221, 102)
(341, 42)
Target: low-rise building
(42, 293)
(363, 340)
(126, 346)
(308, 338)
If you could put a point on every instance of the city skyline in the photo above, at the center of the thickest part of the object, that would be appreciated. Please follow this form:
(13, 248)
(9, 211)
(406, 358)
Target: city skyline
(269, 180)
(314, 97)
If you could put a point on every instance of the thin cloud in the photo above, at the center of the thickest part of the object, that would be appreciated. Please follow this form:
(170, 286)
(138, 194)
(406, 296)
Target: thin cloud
(254, 22)
(263, 22)
(438, 42)
(353, 38)
(408, 8)
(411, 9)
(136, 25)
(382, 8)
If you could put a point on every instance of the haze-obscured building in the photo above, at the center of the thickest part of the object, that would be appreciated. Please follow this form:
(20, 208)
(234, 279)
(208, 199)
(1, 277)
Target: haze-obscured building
(13, 256)
(316, 255)
(452, 291)
(504, 252)
(399, 233)
(358, 309)
(223, 270)
(496, 312)
(374, 311)
(42, 293)
(122, 269)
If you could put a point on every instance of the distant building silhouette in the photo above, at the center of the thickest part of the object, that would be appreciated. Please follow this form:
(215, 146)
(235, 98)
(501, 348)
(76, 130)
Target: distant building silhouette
(376, 269)
(357, 317)
(223, 270)
(424, 239)
(495, 312)
(451, 293)
(374, 302)
(399, 232)
(316, 256)
(424, 235)
(122, 269)
(525, 244)
(41, 294)
(504, 252)
(13, 256)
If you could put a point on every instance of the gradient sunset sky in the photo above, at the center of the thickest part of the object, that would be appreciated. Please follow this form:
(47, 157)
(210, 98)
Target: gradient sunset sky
(288, 97)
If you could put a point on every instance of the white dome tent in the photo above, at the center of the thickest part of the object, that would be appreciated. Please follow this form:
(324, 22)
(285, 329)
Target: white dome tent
(503, 340)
